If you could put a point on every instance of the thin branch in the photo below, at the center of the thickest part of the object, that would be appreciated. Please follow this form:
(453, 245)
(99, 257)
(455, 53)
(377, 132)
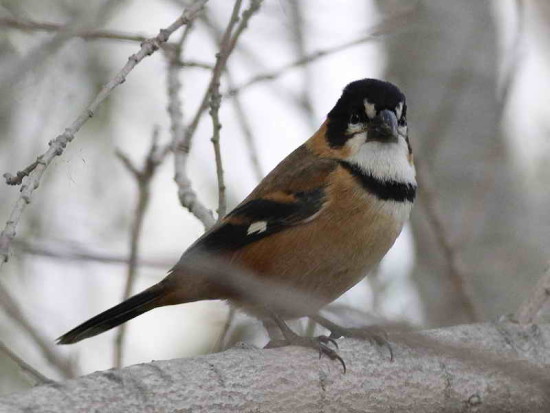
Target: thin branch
(11, 308)
(455, 271)
(219, 346)
(183, 138)
(215, 102)
(38, 378)
(58, 144)
(529, 309)
(378, 32)
(217, 34)
(298, 40)
(186, 194)
(184, 144)
(31, 25)
(247, 132)
(194, 63)
(143, 179)
(78, 254)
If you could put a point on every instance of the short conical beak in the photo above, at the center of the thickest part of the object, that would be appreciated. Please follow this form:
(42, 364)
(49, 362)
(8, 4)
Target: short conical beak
(384, 127)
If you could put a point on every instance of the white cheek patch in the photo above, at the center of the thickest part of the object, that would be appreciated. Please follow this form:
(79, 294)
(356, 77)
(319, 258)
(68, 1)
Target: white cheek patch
(354, 128)
(370, 109)
(257, 227)
(399, 110)
(354, 144)
(386, 161)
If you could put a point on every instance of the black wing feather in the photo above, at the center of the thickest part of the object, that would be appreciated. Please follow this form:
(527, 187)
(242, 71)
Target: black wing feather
(233, 233)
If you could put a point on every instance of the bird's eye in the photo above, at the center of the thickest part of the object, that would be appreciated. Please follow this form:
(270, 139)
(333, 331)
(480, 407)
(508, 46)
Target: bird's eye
(354, 118)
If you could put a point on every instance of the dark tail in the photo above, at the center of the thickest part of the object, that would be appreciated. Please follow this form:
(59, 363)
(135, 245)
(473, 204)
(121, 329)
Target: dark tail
(132, 307)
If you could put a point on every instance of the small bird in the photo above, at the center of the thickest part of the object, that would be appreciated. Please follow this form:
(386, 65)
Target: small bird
(316, 224)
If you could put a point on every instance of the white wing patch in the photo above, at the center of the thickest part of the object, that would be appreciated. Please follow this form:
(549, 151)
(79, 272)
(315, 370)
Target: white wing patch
(257, 227)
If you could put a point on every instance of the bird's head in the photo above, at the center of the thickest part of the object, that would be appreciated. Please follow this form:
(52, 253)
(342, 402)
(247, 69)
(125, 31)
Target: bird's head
(370, 110)
(368, 127)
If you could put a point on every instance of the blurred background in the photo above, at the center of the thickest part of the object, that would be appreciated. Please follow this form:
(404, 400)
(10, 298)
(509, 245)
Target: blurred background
(477, 79)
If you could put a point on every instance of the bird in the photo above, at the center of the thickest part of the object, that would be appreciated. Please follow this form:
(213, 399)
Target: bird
(316, 224)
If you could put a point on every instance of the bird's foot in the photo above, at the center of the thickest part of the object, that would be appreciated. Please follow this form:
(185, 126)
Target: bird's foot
(320, 343)
(373, 334)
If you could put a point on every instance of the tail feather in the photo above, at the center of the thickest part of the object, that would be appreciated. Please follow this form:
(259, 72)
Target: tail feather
(132, 307)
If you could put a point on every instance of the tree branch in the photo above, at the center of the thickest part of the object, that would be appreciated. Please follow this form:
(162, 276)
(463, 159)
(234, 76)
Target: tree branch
(143, 179)
(30, 25)
(483, 367)
(183, 139)
(187, 196)
(215, 103)
(376, 33)
(456, 272)
(65, 367)
(37, 377)
(79, 254)
(58, 144)
(532, 305)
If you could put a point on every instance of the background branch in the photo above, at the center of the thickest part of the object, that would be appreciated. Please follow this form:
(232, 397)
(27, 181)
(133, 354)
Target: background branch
(58, 145)
(528, 310)
(37, 377)
(143, 179)
(63, 365)
(455, 271)
(87, 34)
(45, 249)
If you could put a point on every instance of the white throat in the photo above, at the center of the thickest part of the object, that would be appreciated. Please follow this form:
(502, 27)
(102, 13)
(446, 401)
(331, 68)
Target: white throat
(386, 161)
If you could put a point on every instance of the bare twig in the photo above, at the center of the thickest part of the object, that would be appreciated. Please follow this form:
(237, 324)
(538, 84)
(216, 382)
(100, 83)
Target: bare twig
(182, 141)
(31, 25)
(80, 254)
(528, 310)
(298, 28)
(378, 32)
(185, 143)
(215, 102)
(217, 34)
(58, 144)
(143, 179)
(456, 272)
(17, 179)
(186, 194)
(37, 377)
(15, 69)
(219, 346)
(194, 63)
(482, 187)
(11, 308)
(247, 132)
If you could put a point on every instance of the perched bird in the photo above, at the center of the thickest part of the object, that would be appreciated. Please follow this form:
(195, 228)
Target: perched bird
(316, 224)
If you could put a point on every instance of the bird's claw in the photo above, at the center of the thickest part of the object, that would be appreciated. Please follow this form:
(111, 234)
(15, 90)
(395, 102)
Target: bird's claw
(320, 343)
(374, 335)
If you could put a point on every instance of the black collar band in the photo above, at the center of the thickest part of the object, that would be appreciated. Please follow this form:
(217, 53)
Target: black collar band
(386, 190)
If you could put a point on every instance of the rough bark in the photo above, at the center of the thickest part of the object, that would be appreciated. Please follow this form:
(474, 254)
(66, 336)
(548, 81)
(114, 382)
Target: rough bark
(504, 368)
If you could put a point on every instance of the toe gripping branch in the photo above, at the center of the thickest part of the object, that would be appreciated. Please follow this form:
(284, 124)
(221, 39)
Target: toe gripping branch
(320, 343)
